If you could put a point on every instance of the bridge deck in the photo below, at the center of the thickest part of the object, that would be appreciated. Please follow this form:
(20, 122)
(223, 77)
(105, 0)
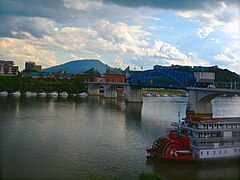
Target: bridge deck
(217, 90)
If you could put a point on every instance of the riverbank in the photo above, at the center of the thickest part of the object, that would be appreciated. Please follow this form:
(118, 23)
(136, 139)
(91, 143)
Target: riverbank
(18, 83)
(164, 91)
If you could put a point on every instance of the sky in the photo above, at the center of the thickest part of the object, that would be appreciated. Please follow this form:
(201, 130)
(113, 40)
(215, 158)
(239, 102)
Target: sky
(121, 33)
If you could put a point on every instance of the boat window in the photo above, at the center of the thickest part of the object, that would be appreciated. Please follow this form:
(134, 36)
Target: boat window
(213, 152)
(207, 152)
(220, 152)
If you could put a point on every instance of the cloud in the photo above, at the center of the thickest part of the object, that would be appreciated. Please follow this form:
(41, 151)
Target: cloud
(204, 32)
(37, 26)
(230, 61)
(53, 9)
(20, 51)
(173, 4)
(82, 4)
(222, 57)
(225, 16)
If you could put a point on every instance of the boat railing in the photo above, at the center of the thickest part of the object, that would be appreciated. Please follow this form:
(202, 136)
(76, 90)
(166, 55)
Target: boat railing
(214, 138)
(210, 130)
(212, 145)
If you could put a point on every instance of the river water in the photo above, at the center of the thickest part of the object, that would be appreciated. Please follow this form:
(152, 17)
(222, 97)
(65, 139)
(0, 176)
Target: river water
(87, 137)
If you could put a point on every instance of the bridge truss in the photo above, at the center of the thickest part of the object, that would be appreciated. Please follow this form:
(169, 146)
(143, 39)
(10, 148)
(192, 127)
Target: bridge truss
(162, 78)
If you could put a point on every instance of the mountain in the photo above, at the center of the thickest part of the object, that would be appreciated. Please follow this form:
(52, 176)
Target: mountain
(80, 66)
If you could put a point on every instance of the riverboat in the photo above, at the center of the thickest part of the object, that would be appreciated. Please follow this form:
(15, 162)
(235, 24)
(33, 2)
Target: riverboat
(197, 138)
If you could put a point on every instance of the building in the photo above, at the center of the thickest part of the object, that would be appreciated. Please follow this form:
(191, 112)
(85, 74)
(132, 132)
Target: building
(8, 68)
(15, 70)
(1, 69)
(29, 65)
(116, 78)
(32, 66)
(205, 77)
(37, 68)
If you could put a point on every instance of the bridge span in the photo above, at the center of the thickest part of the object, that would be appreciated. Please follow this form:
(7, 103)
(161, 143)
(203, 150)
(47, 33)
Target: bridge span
(133, 93)
(199, 100)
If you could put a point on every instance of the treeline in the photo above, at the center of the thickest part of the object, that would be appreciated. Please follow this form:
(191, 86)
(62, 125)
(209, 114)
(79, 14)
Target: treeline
(221, 75)
(15, 83)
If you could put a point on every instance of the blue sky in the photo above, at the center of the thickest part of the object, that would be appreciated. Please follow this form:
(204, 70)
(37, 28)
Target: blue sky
(122, 32)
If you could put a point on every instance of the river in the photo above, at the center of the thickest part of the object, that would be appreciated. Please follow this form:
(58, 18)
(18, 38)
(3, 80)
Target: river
(87, 137)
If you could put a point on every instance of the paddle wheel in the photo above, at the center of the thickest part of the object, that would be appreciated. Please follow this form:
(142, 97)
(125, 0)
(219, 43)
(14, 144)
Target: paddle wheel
(164, 147)
(175, 146)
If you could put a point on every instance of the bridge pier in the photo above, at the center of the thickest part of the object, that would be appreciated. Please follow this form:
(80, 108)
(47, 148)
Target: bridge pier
(199, 100)
(93, 90)
(133, 95)
(110, 92)
(202, 109)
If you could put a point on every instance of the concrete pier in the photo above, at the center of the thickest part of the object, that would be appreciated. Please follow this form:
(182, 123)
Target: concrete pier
(93, 90)
(134, 95)
(110, 91)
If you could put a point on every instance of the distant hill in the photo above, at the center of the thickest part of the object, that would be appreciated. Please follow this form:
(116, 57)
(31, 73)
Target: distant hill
(80, 66)
(222, 75)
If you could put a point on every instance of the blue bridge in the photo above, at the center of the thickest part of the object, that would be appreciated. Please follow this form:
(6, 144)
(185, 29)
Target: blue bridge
(162, 78)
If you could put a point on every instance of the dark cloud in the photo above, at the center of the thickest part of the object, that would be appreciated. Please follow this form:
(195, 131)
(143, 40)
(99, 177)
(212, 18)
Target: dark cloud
(173, 4)
(35, 25)
(32, 16)
(52, 9)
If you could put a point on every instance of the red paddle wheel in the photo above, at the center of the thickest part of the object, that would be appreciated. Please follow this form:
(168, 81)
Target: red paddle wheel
(164, 147)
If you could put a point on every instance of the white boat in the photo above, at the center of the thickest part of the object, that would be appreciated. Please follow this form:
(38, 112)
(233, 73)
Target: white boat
(74, 95)
(42, 94)
(164, 95)
(147, 95)
(53, 94)
(16, 93)
(83, 94)
(157, 95)
(63, 94)
(30, 94)
(4, 93)
(185, 94)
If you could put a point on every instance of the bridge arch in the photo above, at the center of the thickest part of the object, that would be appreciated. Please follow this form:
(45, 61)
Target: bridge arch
(162, 78)
(199, 100)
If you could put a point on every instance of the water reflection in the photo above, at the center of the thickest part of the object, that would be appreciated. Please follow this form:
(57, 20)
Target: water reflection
(227, 169)
(77, 137)
(134, 111)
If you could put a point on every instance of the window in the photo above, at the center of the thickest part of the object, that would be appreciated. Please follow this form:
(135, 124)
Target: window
(225, 151)
(207, 153)
(213, 152)
(202, 152)
(220, 152)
